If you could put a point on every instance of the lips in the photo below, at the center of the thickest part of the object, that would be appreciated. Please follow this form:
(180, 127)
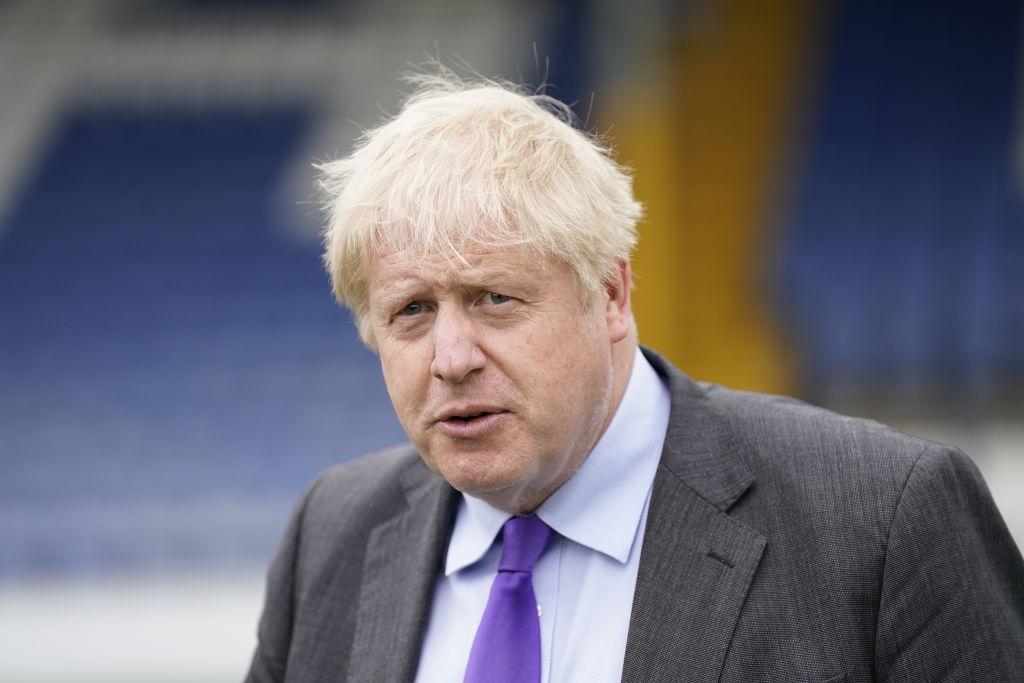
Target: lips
(472, 416)
(472, 422)
(467, 412)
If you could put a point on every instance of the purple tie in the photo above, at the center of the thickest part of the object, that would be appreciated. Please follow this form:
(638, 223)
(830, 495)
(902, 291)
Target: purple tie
(507, 644)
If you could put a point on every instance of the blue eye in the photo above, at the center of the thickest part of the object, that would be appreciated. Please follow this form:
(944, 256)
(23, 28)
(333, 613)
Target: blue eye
(412, 308)
(496, 298)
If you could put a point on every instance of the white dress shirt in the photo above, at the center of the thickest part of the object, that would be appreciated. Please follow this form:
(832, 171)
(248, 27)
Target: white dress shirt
(585, 579)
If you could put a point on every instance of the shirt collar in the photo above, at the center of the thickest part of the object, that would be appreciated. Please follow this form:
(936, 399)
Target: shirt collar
(602, 504)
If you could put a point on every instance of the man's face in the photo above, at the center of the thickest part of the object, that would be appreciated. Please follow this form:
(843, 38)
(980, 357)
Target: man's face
(502, 379)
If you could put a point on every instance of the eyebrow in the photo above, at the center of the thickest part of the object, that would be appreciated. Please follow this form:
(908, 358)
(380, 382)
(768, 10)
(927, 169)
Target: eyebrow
(504, 280)
(396, 292)
(481, 278)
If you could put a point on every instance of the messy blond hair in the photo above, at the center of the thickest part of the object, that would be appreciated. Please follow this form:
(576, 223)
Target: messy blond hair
(476, 163)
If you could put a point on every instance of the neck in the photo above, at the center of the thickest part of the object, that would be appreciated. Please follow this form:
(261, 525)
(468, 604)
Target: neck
(623, 357)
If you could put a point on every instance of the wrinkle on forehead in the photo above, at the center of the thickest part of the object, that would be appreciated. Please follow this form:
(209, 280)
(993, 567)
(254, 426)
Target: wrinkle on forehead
(400, 273)
(451, 244)
(476, 263)
(404, 275)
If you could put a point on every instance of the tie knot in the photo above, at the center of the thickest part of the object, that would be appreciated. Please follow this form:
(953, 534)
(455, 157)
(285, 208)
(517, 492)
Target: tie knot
(523, 540)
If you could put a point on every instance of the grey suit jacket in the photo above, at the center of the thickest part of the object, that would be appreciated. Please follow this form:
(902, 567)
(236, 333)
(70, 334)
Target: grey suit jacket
(784, 543)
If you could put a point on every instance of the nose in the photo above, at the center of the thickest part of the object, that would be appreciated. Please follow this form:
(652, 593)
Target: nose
(457, 353)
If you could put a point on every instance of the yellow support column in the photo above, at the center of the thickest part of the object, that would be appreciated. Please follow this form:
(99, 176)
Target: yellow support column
(713, 149)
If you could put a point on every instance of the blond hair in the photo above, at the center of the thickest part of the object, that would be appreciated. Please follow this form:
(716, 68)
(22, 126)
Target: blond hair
(476, 163)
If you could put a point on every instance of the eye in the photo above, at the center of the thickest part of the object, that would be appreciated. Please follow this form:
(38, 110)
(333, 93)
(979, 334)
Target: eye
(411, 308)
(495, 298)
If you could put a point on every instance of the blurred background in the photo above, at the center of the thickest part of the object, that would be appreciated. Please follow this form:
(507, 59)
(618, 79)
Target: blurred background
(833, 194)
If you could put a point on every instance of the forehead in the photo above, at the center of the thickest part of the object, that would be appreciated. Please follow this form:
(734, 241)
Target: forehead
(474, 266)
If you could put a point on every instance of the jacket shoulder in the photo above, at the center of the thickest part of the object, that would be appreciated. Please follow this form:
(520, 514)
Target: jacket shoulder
(364, 488)
(843, 477)
(781, 431)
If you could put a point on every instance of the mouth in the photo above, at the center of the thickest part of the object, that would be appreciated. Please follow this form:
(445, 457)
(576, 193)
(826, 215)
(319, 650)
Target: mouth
(471, 423)
(471, 416)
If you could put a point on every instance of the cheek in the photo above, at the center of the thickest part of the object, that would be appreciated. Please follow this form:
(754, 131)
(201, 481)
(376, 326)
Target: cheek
(568, 378)
(586, 373)
(403, 378)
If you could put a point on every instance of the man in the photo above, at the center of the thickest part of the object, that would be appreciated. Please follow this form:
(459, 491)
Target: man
(680, 531)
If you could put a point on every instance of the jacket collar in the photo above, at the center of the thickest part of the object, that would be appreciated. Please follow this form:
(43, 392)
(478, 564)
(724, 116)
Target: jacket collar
(699, 447)
(697, 562)
(403, 558)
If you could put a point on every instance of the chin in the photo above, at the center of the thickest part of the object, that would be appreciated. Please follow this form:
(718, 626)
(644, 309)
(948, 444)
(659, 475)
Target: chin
(473, 482)
(481, 487)
(477, 470)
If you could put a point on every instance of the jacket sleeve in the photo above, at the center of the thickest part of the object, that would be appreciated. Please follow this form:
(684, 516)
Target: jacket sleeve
(952, 602)
(274, 635)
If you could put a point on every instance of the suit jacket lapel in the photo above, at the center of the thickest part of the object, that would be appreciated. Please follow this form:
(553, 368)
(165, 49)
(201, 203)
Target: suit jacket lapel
(403, 558)
(697, 562)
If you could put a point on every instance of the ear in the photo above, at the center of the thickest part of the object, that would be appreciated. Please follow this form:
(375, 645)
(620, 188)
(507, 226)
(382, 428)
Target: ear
(619, 315)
